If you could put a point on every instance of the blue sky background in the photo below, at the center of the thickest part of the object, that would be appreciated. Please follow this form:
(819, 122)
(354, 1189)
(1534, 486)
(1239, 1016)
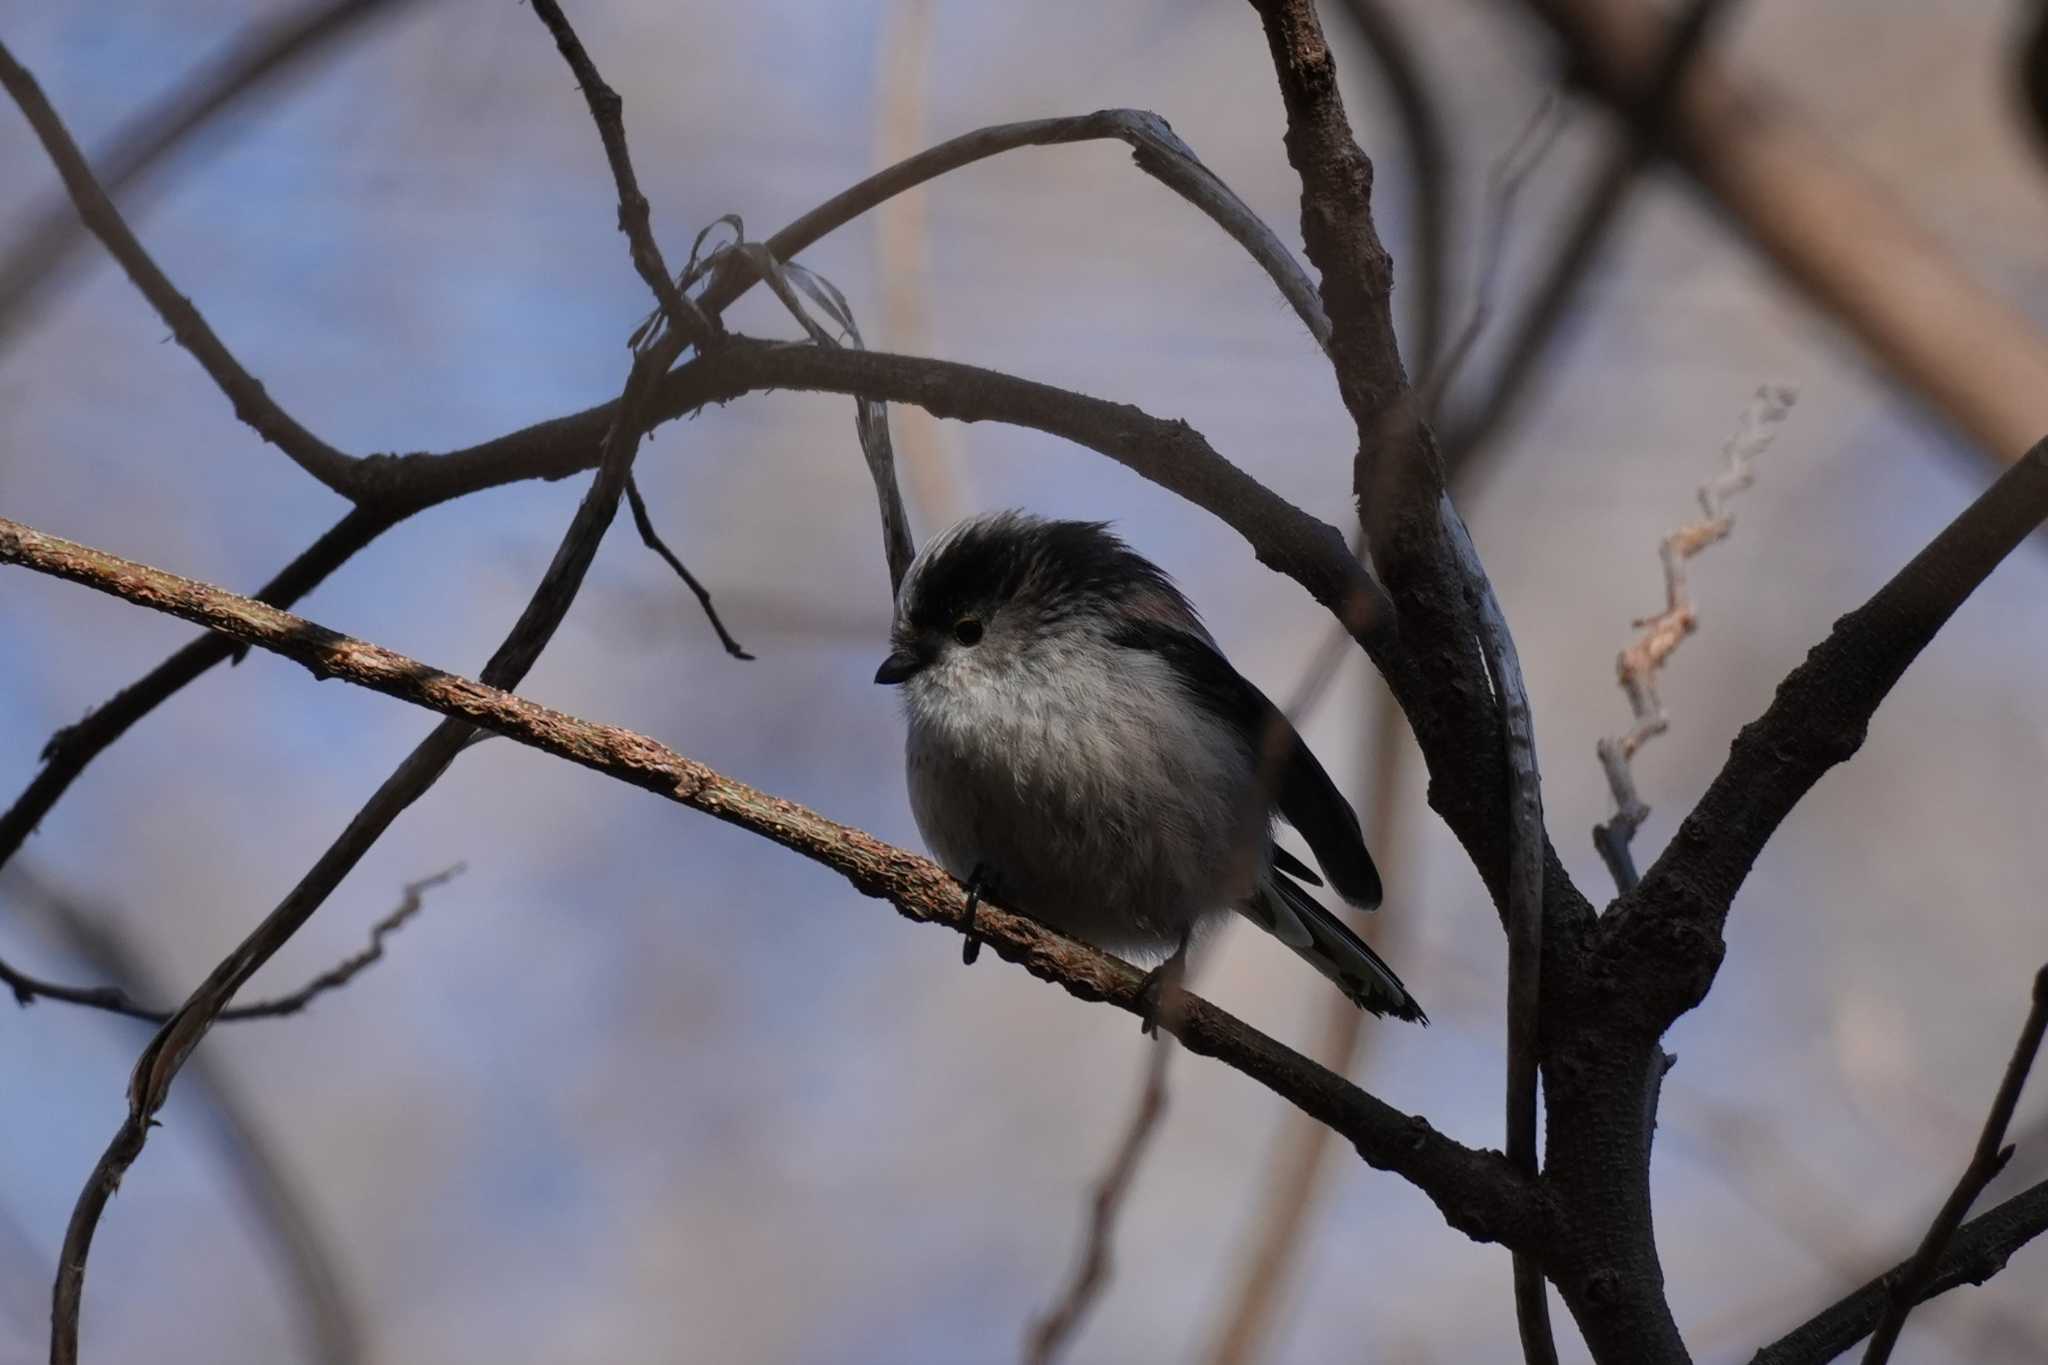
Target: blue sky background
(641, 1086)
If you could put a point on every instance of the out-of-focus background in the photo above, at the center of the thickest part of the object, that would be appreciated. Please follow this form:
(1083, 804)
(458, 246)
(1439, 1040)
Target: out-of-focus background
(640, 1086)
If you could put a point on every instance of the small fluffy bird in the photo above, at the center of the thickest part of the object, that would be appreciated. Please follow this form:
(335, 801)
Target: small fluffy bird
(1081, 752)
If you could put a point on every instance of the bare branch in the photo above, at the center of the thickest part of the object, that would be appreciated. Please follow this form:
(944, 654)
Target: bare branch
(606, 109)
(651, 538)
(1638, 665)
(249, 1161)
(1818, 719)
(1986, 1161)
(260, 57)
(1979, 1250)
(1049, 1335)
(116, 999)
(167, 1052)
(252, 405)
(398, 486)
(1477, 1191)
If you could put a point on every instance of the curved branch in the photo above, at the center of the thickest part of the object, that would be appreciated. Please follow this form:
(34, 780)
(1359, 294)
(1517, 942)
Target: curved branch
(252, 405)
(399, 485)
(1672, 923)
(117, 1000)
(1477, 1192)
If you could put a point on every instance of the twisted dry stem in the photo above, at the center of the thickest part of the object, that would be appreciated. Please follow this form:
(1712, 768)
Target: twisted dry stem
(116, 1000)
(1638, 665)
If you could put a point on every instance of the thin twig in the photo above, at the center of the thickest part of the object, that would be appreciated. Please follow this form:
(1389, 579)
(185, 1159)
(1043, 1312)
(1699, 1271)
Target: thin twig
(1979, 1250)
(1986, 1162)
(1638, 665)
(252, 405)
(1477, 1191)
(1050, 1334)
(870, 418)
(116, 999)
(606, 111)
(653, 541)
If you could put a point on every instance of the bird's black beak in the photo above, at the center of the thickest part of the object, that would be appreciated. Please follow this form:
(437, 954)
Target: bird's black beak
(898, 667)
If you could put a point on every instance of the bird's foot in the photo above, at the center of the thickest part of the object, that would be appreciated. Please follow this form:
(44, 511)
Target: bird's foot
(977, 883)
(1161, 990)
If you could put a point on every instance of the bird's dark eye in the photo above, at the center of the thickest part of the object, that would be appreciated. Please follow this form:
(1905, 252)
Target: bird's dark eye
(967, 630)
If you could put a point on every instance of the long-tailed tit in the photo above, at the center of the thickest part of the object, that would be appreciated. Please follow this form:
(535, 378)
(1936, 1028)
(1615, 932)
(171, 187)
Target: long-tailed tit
(1080, 751)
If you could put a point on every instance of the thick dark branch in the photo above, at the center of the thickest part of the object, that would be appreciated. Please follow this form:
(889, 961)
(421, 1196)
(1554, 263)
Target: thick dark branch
(1986, 1161)
(1979, 1250)
(1673, 922)
(1473, 733)
(116, 999)
(252, 404)
(1476, 1190)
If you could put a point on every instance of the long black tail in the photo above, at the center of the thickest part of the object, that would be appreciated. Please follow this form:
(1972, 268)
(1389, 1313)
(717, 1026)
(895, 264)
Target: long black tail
(1294, 917)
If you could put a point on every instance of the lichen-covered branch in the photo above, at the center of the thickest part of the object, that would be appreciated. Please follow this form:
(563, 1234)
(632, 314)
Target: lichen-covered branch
(1478, 1193)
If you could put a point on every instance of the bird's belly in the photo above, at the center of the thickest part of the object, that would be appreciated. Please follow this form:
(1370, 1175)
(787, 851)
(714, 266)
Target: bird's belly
(1125, 841)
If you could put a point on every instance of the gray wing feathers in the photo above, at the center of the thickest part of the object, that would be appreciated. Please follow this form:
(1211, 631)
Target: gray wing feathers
(1291, 915)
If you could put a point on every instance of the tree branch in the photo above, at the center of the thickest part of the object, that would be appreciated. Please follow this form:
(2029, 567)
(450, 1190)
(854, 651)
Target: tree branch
(116, 999)
(1477, 1191)
(252, 405)
(400, 485)
(1986, 1161)
(1979, 1250)
(167, 1052)
(1671, 925)
(1421, 548)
